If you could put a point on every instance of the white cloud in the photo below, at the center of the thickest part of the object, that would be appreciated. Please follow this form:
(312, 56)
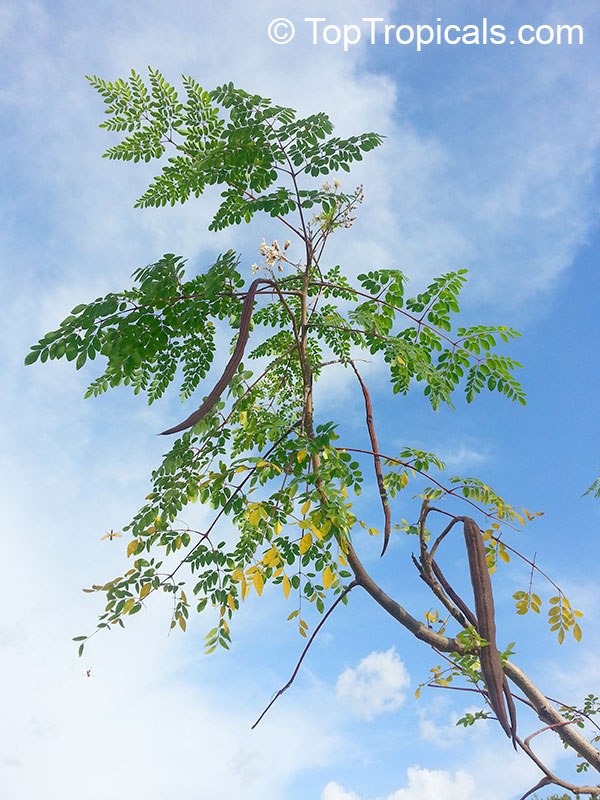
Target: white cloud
(333, 791)
(378, 684)
(423, 784)
(436, 785)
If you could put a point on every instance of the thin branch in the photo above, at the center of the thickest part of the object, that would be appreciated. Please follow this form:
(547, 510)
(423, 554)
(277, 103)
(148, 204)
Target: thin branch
(548, 728)
(408, 465)
(411, 317)
(231, 498)
(283, 689)
(473, 689)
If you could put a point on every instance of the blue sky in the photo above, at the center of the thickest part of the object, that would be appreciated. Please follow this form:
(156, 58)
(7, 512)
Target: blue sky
(490, 163)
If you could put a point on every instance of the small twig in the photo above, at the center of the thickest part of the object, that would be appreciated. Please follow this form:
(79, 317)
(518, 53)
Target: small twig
(443, 534)
(549, 728)
(481, 692)
(305, 651)
(545, 781)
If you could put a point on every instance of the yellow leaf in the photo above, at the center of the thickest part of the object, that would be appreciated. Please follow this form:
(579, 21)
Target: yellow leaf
(328, 577)
(561, 635)
(255, 514)
(231, 602)
(257, 580)
(318, 533)
(418, 693)
(271, 557)
(577, 632)
(305, 508)
(237, 574)
(244, 588)
(403, 479)
(504, 555)
(145, 590)
(241, 468)
(401, 361)
(301, 456)
(373, 531)
(129, 604)
(286, 586)
(182, 624)
(132, 547)
(342, 560)
(278, 528)
(243, 418)
(305, 543)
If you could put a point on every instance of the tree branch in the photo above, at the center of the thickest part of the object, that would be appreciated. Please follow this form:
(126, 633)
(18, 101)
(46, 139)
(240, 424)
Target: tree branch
(283, 689)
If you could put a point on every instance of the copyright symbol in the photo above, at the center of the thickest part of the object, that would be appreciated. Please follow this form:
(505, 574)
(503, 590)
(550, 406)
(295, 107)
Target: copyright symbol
(281, 30)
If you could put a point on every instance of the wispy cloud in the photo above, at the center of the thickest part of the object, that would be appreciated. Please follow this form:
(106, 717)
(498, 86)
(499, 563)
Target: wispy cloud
(464, 455)
(437, 725)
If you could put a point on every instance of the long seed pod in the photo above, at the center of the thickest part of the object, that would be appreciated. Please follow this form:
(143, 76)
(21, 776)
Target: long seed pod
(232, 364)
(385, 504)
(489, 657)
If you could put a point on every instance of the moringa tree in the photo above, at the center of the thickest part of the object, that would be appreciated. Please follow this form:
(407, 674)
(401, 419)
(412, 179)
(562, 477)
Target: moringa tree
(256, 450)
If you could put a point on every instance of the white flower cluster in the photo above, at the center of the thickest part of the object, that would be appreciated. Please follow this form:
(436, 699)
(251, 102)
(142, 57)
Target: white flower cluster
(273, 256)
(342, 216)
(327, 186)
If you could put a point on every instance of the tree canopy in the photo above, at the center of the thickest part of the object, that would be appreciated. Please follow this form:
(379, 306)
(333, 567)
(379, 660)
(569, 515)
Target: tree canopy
(257, 450)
